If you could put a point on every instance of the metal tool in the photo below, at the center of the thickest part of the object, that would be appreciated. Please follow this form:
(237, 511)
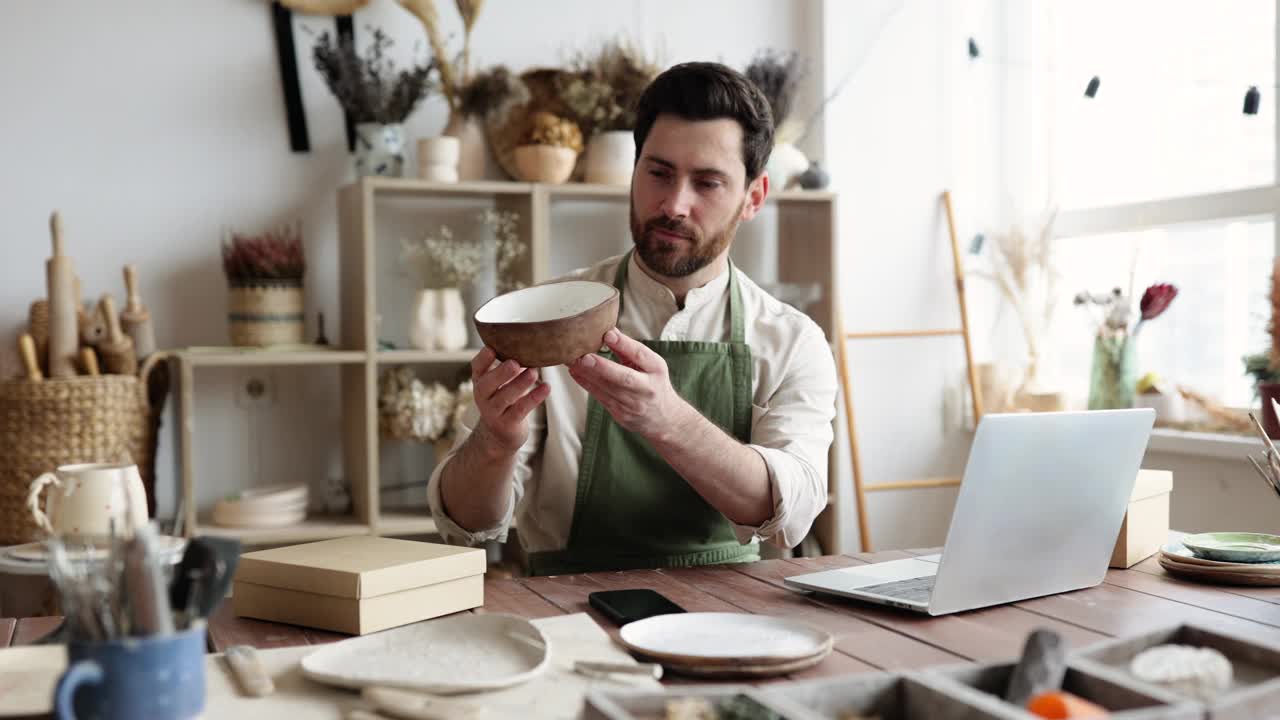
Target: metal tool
(149, 609)
(201, 579)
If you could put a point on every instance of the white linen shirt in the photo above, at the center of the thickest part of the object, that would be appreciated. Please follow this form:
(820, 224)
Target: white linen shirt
(793, 405)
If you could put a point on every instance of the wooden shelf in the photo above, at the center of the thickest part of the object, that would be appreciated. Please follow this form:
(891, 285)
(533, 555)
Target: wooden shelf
(806, 219)
(392, 187)
(210, 356)
(315, 527)
(405, 522)
(425, 356)
(409, 187)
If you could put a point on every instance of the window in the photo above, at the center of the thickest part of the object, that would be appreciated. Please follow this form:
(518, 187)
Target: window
(1167, 119)
(1223, 277)
(1163, 176)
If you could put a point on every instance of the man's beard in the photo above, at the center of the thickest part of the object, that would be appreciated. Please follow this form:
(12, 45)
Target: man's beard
(681, 257)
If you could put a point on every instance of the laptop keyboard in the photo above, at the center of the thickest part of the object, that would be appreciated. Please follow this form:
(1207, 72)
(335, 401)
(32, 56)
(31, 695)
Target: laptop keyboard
(914, 590)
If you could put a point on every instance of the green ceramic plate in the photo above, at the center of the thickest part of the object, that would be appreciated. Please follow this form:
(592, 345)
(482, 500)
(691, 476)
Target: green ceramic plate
(1235, 547)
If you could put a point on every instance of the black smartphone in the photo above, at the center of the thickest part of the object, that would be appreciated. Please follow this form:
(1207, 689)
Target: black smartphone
(624, 606)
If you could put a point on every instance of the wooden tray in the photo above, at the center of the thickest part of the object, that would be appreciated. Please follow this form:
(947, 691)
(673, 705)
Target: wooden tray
(1124, 700)
(649, 705)
(1255, 692)
(889, 696)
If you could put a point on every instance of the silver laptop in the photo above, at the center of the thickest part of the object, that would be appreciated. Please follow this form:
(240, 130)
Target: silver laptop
(1038, 513)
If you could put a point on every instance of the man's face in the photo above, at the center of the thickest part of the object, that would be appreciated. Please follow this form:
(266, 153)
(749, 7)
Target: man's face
(688, 193)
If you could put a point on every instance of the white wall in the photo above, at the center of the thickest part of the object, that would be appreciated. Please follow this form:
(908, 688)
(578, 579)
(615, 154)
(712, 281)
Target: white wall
(152, 125)
(915, 118)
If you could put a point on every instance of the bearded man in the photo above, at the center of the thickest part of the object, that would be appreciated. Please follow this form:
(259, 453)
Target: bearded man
(705, 427)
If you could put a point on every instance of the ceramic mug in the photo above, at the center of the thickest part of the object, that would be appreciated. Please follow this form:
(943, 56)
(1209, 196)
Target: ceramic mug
(87, 498)
(158, 676)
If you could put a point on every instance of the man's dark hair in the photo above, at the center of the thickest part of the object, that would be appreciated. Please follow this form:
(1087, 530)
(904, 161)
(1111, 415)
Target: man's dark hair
(710, 91)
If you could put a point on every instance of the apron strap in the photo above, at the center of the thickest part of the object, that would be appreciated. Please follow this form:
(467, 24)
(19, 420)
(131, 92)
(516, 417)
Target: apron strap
(737, 325)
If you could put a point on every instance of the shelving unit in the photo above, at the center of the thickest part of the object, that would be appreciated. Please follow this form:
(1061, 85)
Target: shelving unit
(806, 225)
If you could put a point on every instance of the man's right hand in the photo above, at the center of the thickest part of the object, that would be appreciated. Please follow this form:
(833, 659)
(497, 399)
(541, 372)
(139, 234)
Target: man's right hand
(505, 393)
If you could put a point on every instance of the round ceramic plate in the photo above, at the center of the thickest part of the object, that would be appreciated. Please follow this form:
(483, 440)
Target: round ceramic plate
(450, 655)
(724, 639)
(1178, 552)
(731, 670)
(1235, 547)
(39, 552)
(1200, 573)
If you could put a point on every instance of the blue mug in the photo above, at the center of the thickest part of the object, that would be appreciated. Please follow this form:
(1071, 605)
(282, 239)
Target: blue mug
(160, 677)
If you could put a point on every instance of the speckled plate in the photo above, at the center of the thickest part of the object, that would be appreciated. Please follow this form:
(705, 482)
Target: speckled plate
(1235, 547)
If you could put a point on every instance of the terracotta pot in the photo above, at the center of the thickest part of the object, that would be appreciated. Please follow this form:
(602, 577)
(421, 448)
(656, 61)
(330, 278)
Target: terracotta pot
(1269, 391)
(545, 163)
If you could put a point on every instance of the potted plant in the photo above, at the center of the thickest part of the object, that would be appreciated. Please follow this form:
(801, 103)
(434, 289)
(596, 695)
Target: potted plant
(602, 90)
(778, 76)
(455, 81)
(376, 96)
(264, 277)
(1265, 366)
(549, 149)
(489, 95)
(455, 277)
(1113, 379)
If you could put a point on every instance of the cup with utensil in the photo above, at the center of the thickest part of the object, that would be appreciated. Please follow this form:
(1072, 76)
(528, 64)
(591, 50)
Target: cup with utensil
(90, 502)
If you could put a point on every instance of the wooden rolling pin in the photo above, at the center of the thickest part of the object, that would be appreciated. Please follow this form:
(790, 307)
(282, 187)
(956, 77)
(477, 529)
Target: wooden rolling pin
(60, 278)
(89, 362)
(117, 350)
(38, 326)
(27, 349)
(135, 317)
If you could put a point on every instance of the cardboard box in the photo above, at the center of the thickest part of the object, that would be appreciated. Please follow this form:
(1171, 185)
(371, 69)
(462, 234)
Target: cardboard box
(1146, 524)
(358, 584)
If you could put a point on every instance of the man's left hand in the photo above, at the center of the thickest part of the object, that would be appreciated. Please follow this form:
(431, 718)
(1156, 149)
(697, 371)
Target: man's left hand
(636, 391)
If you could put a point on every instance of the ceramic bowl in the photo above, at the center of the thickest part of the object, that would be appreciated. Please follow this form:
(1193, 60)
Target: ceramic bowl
(544, 163)
(551, 324)
(1235, 546)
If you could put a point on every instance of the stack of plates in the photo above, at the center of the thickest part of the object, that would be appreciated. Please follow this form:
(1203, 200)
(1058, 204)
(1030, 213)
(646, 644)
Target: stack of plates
(272, 506)
(727, 645)
(1227, 558)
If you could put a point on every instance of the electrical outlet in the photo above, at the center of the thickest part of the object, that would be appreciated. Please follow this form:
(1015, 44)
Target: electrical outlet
(256, 390)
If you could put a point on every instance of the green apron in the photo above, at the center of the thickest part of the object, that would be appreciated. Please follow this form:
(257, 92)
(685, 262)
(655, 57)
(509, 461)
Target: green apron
(633, 510)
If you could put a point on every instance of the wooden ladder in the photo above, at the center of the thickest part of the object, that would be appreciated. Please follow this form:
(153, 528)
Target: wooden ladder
(859, 488)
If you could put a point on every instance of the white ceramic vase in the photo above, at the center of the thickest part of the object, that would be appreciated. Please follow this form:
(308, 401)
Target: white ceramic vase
(438, 320)
(786, 162)
(472, 147)
(438, 158)
(380, 149)
(610, 158)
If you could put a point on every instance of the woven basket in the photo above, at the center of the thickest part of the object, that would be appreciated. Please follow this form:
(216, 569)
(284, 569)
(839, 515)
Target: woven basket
(264, 313)
(70, 420)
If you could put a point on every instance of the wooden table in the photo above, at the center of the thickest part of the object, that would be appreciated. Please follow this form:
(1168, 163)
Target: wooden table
(868, 637)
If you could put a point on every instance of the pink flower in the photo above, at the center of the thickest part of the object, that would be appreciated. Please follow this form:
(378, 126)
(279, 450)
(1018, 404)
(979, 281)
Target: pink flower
(1156, 300)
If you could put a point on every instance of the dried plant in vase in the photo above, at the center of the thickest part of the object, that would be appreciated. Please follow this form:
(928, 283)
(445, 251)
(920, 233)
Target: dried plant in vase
(778, 75)
(601, 91)
(1113, 379)
(265, 276)
(1022, 269)
(457, 276)
(456, 82)
(375, 95)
